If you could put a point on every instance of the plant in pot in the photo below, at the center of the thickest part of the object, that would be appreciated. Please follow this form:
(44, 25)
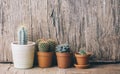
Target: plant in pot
(63, 56)
(23, 50)
(82, 59)
(46, 52)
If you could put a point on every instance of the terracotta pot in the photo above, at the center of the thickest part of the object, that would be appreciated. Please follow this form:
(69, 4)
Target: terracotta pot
(82, 59)
(64, 60)
(45, 59)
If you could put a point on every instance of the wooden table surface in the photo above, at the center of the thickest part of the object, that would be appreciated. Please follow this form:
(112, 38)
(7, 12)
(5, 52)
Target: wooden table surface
(95, 69)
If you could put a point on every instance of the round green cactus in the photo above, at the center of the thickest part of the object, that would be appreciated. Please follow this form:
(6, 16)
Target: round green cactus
(39, 40)
(52, 44)
(43, 46)
(46, 45)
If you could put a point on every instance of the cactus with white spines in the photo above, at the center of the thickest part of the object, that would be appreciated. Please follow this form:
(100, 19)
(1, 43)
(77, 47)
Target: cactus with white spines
(46, 45)
(43, 46)
(63, 48)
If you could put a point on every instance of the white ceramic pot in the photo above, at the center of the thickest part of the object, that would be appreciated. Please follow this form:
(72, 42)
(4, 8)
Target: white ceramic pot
(23, 55)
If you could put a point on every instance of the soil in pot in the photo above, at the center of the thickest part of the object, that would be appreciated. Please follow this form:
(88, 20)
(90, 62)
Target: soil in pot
(64, 60)
(45, 59)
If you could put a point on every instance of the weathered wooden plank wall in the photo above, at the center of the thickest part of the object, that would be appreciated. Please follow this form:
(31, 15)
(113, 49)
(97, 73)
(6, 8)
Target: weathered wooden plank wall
(94, 24)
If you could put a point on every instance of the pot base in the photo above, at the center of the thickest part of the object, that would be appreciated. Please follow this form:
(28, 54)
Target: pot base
(23, 68)
(81, 66)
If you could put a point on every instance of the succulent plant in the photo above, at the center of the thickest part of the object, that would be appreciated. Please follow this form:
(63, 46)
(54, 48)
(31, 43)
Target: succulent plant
(82, 52)
(46, 45)
(52, 44)
(43, 46)
(63, 48)
(22, 36)
(37, 42)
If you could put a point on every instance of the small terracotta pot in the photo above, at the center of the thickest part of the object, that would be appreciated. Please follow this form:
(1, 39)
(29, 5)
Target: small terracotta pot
(82, 59)
(45, 59)
(64, 60)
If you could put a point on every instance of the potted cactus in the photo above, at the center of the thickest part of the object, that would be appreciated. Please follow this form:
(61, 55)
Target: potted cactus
(23, 50)
(46, 52)
(82, 59)
(64, 56)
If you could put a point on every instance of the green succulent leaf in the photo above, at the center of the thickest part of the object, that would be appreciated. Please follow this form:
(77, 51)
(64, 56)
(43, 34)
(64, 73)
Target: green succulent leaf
(82, 52)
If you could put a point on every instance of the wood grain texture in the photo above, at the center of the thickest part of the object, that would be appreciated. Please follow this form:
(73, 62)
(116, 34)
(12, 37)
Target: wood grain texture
(39, 19)
(93, 24)
(14, 13)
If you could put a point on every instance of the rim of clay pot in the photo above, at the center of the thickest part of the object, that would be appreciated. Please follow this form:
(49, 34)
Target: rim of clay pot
(30, 43)
(87, 55)
(44, 53)
(63, 54)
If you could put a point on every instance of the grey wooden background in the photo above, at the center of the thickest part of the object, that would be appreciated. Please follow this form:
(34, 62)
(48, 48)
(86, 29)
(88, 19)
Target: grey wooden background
(94, 24)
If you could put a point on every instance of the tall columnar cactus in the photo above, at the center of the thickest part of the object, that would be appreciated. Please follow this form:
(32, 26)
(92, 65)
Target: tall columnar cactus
(52, 44)
(43, 46)
(22, 36)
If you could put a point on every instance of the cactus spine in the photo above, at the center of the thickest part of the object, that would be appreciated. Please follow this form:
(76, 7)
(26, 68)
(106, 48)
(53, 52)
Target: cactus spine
(22, 36)
(46, 45)
(43, 46)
